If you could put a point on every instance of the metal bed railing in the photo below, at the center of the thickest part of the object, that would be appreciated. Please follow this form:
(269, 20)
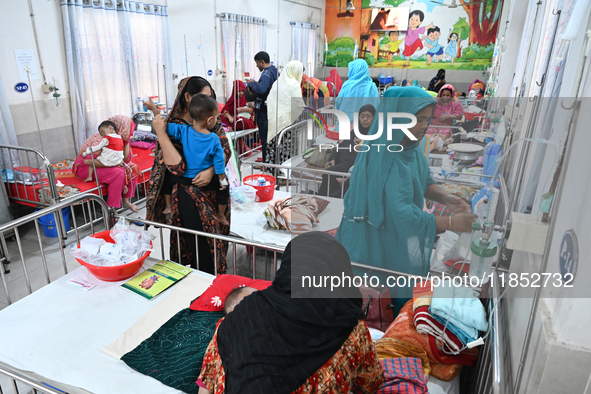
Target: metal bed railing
(492, 373)
(296, 138)
(298, 180)
(56, 209)
(246, 143)
(12, 157)
(492, 370)
(40, 175)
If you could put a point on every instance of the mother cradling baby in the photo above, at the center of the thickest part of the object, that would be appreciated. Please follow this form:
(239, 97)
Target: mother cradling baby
(116, 178)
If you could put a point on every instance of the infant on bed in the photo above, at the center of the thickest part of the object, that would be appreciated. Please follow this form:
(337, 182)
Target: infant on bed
(111, 147)
(236, 296)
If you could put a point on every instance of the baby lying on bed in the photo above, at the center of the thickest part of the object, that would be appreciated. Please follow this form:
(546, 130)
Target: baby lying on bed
(236, 296)
(111, 147)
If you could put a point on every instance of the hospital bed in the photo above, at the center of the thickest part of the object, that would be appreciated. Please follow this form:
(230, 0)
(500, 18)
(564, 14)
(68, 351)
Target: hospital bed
(58, 349)
(31, 179)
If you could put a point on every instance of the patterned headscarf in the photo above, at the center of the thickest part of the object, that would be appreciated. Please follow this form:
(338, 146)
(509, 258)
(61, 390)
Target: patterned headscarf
(176, 112)
(123, 125)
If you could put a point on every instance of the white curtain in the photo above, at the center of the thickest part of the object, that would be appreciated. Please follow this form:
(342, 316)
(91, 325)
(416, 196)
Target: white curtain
(7, 131)
(115, 52)
(303, 45)
(242, 37)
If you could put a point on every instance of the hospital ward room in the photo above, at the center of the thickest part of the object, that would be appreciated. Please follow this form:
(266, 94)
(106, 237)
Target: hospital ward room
(295, 196)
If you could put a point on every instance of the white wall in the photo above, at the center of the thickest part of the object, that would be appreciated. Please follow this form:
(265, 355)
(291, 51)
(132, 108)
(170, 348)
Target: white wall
(17, 33)
(195, 20)
(515, 12)
(560, 352)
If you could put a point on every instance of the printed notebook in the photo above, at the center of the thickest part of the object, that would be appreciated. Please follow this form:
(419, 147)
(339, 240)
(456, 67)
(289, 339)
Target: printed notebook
(155, 280)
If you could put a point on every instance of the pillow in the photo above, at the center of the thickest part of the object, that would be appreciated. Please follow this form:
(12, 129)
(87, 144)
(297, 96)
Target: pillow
(144, 136)
(214, 298)
(143, 144)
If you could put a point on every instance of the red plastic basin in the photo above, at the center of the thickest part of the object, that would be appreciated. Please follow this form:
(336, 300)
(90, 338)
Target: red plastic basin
(119, 272)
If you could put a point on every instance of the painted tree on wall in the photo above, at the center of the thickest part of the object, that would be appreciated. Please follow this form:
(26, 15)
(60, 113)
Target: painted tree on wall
(462, 29)
(484, 20)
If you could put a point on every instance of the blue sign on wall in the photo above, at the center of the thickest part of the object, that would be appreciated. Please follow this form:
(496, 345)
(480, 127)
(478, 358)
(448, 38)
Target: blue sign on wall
(569, 256)
(21, 87)
(209, 72)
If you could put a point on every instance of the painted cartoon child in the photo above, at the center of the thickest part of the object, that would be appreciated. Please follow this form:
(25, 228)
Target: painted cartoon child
(432, 42)
(412, 42)
(452, 46)
(393, 45)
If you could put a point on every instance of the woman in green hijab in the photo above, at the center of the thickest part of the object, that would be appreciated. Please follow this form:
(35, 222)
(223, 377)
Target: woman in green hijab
(383, 223)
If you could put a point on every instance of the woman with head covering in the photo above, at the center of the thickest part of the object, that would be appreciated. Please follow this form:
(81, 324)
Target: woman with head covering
(446, 111)
(116, 178)
(437, 82)
(194, 203)
(358, 90)
(285, 104)
(236, 112)
(293, 337)
(383, 222)
(313, 87)
(344, 157)
(334, 83)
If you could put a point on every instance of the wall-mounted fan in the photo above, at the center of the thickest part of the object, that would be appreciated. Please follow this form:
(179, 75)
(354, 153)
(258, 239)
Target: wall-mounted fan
(454, 4)
(349, 8)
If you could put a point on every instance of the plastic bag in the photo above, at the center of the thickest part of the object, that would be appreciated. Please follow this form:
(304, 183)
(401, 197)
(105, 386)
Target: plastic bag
(131, 242)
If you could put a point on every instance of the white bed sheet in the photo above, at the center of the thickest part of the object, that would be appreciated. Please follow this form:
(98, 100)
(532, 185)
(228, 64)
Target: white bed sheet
(437, 386)
(58, 332)
(252, 225)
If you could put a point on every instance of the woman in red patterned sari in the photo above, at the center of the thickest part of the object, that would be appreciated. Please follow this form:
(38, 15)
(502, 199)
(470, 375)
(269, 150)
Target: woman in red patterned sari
(193, 203)
(290, 338)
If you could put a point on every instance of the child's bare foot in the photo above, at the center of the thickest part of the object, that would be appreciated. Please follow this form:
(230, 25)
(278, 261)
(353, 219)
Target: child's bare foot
(88, 178)
(167, 210)
(130, 206)
(222, 220)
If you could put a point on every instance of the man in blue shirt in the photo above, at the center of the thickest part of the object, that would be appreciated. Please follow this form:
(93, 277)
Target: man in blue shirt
(262, 89)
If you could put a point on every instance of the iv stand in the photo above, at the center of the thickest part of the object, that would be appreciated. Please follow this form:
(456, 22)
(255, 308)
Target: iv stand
(35, 110)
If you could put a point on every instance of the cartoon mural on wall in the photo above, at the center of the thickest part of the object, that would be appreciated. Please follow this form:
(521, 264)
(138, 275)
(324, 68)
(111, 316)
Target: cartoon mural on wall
(448, 34)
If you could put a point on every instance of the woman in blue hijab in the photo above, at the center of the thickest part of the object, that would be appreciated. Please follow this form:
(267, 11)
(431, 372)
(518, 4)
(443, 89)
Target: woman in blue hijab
(358, 90)
(383, 223)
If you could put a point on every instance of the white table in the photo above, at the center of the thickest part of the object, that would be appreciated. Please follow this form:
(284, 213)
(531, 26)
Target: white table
(58, 332)
(251, 224)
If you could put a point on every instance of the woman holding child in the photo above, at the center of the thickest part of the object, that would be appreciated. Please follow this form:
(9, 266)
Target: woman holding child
(194, 203)
(120, 180)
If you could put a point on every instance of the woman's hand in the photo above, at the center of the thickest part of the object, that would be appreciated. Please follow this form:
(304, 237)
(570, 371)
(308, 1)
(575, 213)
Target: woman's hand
(329, 164)
(150, 106)
(456, 204)
(159, 124)
(203, 178)
(462, 223)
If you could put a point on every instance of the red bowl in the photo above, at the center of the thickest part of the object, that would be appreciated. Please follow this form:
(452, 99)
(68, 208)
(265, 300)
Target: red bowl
(119, 272)
(264, 193)
(331, 134)
(471, 115)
